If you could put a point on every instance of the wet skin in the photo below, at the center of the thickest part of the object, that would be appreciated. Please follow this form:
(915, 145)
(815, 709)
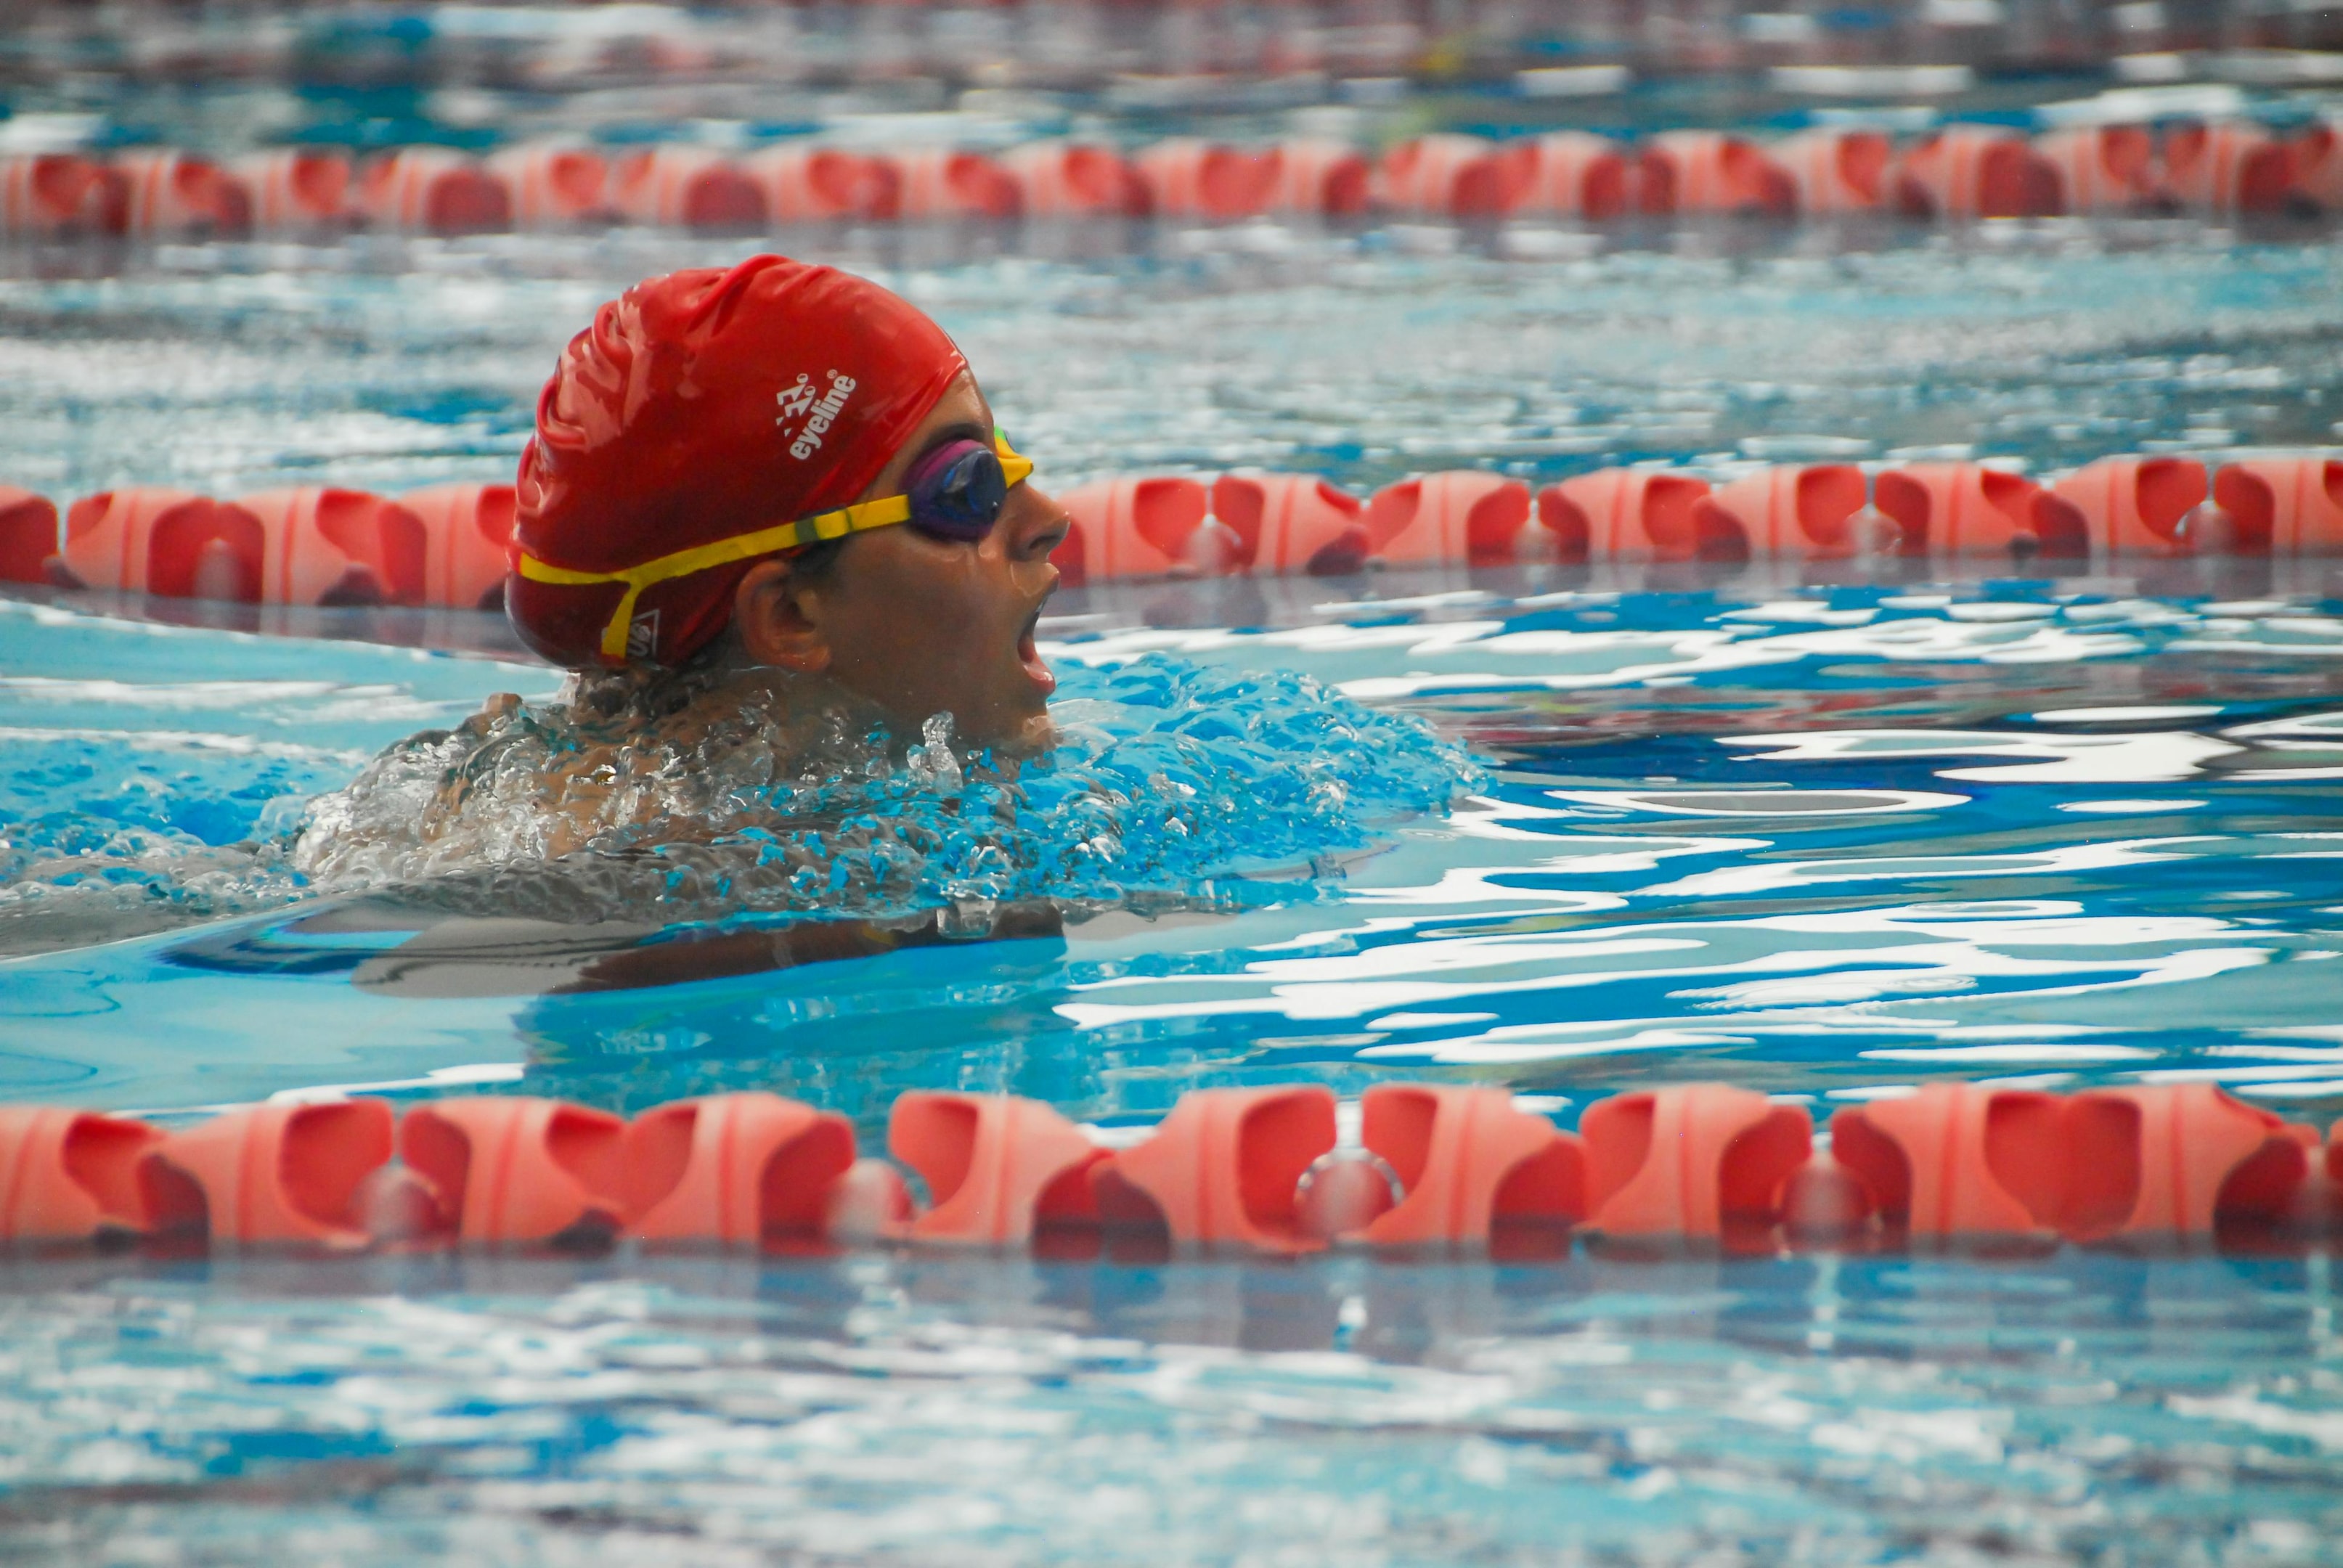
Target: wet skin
(920, 625)
(905, 622)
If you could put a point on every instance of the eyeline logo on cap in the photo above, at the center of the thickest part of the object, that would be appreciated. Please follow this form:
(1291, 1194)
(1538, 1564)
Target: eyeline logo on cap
(642, 634)
(818, 410)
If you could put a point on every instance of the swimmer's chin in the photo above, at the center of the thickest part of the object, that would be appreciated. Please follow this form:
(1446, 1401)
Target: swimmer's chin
(1034, 736)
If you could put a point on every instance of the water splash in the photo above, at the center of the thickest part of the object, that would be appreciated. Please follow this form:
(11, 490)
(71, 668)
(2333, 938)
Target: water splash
(1170, 783)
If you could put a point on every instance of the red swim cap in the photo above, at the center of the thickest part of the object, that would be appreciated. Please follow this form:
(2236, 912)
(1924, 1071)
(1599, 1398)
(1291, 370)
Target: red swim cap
(700, 406)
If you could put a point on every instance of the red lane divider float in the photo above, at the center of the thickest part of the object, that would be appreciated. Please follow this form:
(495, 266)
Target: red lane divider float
(1969, 510)
(687, 187)
(1702, 1167)
(274, 1176)
(2220, 171)
(1074, 180)
(998, 1170)
(2102, 168)
(1223, 1171)
(466, 539)
(1293, 523)
(1835, 171)
(296, 191)
(1575, 175)
(70, 1176)
(28, 535)
(2283, 506)
(445, 546)
(1971, 171)
(1690, 1163)
(61, 196)
(177, 196)
(1459, 516)
(1961, 1162)
(431, 190)
(516, 1172)
(555, 187)
(1316, 176)
(1624, 514)
(448, 546)
(734, 1170)
(1792, 512)
(1469, 1165)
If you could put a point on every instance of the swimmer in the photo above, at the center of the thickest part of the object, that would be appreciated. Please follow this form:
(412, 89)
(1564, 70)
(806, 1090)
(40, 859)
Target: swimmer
(766, 515)
(774, 488)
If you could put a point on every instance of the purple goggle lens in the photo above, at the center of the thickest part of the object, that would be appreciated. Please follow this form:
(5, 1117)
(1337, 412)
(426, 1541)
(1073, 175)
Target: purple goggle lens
(957, 491)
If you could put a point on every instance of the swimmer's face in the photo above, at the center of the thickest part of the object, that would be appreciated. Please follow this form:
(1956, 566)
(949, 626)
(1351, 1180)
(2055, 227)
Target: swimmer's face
(921, 625)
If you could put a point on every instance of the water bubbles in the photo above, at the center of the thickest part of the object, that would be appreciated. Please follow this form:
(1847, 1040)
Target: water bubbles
(1169, 782)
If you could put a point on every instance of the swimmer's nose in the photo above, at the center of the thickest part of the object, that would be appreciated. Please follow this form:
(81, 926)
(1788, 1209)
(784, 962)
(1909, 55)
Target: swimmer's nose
(1032, 525)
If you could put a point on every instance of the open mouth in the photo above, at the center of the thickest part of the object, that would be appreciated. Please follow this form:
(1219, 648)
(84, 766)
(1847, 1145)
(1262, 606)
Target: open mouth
(1029, 656)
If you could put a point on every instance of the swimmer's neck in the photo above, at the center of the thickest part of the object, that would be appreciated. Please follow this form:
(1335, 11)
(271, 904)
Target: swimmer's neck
(800, 712)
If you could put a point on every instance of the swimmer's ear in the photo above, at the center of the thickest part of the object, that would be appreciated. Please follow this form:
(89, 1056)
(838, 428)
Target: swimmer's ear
(770, 616)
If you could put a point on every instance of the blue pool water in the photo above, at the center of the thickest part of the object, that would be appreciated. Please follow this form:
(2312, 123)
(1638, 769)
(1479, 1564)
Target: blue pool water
(1569, 831)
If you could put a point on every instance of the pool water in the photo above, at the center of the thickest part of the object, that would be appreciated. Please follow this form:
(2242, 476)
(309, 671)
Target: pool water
(1568, 830)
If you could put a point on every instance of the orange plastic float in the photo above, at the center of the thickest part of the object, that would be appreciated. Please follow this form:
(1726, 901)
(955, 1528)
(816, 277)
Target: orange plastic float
(552, 187)
(1959, 1163)
(2219, 170)
(2102, 168)
(70, 1176)
(53, 195)
(328, 547)
(2286, 506)
(998, 1169)
(1312, 175)
(1970, 509)
(2226, 169)
(431, 190)
(1835, 171)
(1449, 175)
(1136, 529)
(175, 195)
(947, 186)
(1451, 518)
(1292, 523)
(2317, 172)
(147, 539)
(1689, 1164)
(1188, 178)
(2136, 506)
(28, 535)
(1469, 1164)
(2164, 1164)
(272, 1176)
(1072, 179)
(1797, 510)
(1223, 1170)
(1624, 514)
(517, 1172)
(1252, 1171)
(1975, 171)
(805, 184)
(1710, 172)
(296, 191)
(464, 551)
(1575, 175)
(687, 187)
(734, 1170)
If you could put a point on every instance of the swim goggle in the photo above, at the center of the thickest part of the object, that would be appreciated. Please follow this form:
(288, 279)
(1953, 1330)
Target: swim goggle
(954, 492)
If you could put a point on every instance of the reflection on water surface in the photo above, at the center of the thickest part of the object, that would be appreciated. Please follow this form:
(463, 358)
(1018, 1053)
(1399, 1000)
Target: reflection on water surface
(1829, 838)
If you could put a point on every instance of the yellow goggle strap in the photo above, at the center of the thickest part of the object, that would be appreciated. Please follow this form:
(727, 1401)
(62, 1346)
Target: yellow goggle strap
(878, 514)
